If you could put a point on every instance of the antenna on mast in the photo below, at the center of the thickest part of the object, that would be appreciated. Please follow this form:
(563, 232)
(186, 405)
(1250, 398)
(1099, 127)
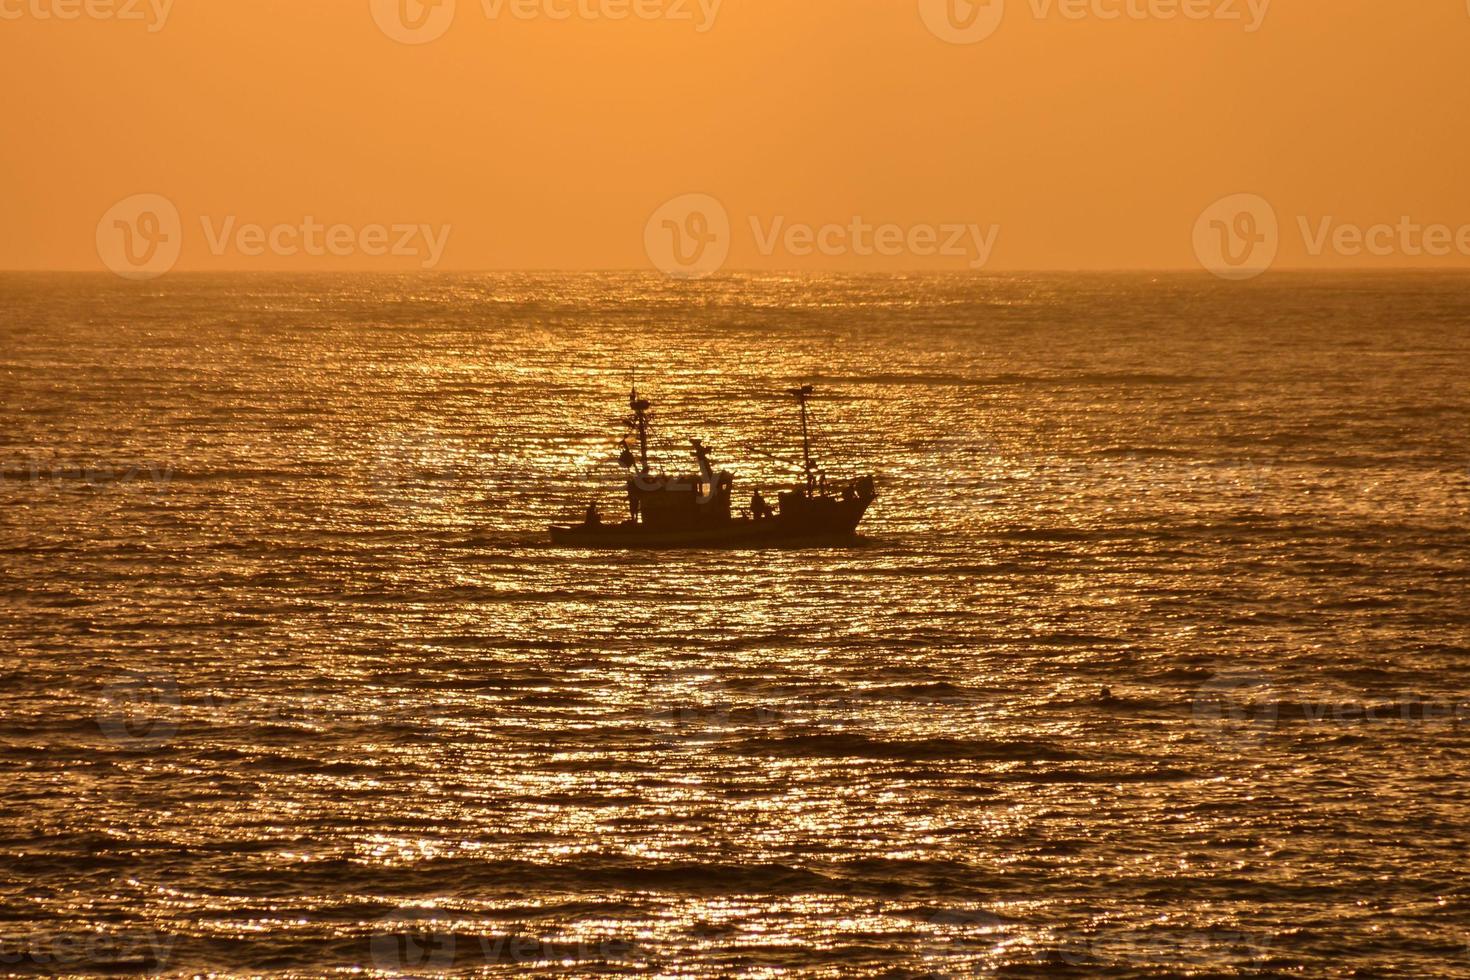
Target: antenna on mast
(640, 407)
(801, 395)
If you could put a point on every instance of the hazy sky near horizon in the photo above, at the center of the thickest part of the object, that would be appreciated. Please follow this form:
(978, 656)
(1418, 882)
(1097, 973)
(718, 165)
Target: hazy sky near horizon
(550, 134)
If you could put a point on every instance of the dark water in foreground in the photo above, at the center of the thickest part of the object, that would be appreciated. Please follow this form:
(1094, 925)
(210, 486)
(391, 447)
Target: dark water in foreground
(292, 685)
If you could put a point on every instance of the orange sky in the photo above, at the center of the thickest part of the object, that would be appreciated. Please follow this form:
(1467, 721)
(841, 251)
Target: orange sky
(540, 142)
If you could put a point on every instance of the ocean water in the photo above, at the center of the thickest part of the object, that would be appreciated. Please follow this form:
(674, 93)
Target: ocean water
(293, 684)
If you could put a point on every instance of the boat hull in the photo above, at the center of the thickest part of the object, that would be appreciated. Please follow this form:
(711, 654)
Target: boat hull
(833, 523)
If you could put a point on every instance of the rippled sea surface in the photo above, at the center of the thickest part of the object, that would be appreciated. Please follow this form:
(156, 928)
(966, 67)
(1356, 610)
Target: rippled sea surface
(293, 684)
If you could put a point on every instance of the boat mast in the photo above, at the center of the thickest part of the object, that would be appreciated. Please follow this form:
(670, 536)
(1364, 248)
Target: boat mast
(640, 408)
(801, 394)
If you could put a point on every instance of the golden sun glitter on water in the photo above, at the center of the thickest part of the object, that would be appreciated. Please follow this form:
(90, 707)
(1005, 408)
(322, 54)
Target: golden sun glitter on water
(294, 678)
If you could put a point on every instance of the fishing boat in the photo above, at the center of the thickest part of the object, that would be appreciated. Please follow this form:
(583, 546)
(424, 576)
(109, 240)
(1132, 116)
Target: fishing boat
(694, 510)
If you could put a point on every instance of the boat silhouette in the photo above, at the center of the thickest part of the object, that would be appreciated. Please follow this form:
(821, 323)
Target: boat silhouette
(694, 510)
